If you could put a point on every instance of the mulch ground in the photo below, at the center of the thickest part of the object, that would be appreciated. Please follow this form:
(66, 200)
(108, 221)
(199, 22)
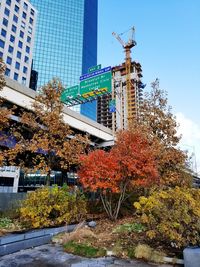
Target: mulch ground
(103, 235)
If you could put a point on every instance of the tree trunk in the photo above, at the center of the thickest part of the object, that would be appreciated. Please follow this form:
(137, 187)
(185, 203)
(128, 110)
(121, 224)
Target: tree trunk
(112, 210)
(48, 179)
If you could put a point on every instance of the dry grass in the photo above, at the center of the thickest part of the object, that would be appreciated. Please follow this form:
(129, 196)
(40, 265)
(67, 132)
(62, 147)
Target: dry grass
(79, 235)
(143, 252)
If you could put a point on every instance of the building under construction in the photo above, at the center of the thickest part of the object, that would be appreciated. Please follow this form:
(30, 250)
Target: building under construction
(126, 106)
(119, 110)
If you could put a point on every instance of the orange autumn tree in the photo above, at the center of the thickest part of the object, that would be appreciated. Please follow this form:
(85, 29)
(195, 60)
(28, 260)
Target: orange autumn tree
(113, 174)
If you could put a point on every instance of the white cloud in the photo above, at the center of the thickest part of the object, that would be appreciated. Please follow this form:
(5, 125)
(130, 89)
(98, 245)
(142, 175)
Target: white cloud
(190, 141)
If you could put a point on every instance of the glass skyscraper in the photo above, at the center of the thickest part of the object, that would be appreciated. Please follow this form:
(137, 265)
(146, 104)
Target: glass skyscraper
(17, 30)
(66, 42)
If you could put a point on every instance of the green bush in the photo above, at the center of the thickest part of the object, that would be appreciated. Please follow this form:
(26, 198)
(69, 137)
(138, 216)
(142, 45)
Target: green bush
(8, 225)
(84, 250)
(172, 216)
(52, 207)
(5, 223)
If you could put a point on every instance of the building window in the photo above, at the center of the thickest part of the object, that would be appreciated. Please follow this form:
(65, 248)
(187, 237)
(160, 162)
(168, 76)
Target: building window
(1, 54)
(20, 44)
(5, 22)
(31, 21)
(6, 11)
(3, 32)
(7, 72)
(19, 54)
(28, 49)
(29, 30)
(17, 65)
(16, 8)
(18, 1)
(26, 59)
(2, 43)
(8, 2)
(23, 80)
(16, 75)
(24, 15)
(28, 39)
(15, 18)
(9, 60)
(21, 34)
(25, 6)
(12, 38)
(10, 49)
(32, 12)
(14, 28)
(25, 70)
(23, 25)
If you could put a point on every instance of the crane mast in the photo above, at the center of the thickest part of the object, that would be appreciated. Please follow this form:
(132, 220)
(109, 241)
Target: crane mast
(127, 48)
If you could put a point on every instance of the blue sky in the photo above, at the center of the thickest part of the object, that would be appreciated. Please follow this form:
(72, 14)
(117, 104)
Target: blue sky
(168, 48)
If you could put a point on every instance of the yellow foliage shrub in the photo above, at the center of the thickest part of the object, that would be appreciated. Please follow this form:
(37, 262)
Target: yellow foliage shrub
(52, 207)
(172, 216)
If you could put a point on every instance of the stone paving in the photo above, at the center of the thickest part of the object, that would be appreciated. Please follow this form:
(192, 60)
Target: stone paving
(54, 256)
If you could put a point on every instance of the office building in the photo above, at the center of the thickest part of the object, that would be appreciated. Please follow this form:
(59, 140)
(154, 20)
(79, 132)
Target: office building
(17, 29)
(66, 43)
(119, 118)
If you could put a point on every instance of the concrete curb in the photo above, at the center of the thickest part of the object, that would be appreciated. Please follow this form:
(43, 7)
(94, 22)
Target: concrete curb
(173, 260)
(110, 253)
(15, 242)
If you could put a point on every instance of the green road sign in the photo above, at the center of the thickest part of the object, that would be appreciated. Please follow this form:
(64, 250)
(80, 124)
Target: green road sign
(70, 92)
(94, 68)
(96, 85)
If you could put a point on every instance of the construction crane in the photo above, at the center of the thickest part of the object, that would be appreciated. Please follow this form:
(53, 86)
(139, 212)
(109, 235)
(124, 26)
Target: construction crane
(127, 48)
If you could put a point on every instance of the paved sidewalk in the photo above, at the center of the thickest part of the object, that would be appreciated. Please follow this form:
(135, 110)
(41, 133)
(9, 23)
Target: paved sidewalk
(54, 256)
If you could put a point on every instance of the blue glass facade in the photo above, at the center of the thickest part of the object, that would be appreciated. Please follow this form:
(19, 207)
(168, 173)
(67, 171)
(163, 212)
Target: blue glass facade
(66, 42)
(90, 55)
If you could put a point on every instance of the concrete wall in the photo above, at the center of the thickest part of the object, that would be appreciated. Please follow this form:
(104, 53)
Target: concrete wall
(10, 200)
